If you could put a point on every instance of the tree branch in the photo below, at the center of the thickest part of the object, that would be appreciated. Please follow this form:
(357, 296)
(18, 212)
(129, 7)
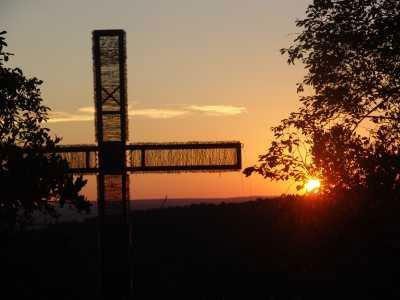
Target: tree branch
(368, 113)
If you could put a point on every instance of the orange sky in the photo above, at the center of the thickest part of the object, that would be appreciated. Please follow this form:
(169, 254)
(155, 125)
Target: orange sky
(197, 70)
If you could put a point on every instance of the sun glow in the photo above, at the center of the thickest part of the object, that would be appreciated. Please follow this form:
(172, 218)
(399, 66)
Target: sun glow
(312, 185)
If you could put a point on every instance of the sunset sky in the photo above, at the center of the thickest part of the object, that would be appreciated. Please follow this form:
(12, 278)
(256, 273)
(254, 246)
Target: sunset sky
(206, 70)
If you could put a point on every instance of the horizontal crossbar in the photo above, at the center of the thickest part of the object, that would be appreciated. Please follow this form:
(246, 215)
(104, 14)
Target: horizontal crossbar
(178, 169)
(160, 157)
(187, 145)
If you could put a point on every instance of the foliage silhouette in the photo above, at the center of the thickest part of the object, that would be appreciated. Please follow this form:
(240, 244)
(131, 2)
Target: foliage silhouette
(30, 180)
(347, 131)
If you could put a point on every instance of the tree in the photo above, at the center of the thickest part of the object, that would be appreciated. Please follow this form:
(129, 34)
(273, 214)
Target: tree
(30, 179)
(348, 129)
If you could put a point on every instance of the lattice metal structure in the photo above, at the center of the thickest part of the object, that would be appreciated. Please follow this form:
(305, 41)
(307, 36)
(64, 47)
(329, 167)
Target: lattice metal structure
(82, 159)
(112, 159)
(184, 157)
(109, 65)
(160, 157)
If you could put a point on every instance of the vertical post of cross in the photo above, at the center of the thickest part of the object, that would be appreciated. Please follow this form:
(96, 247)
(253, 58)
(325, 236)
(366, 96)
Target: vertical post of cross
(109, 63)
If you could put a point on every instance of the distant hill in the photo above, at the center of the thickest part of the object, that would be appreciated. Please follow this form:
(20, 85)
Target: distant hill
(178, 202)
(69, 215)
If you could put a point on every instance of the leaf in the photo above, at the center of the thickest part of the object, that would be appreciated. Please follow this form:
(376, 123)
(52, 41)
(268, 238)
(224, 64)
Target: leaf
(248, 171)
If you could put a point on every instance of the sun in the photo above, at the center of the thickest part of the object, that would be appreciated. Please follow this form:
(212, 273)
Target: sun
(312, 185)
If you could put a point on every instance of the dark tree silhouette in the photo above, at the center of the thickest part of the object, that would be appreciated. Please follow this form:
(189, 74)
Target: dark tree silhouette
(30, 180)
(347, 130)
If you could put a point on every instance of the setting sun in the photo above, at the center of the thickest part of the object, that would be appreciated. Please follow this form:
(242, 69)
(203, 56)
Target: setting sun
(312, 185)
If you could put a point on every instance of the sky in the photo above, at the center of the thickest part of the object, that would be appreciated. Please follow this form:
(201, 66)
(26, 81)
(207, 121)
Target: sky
(205, 70)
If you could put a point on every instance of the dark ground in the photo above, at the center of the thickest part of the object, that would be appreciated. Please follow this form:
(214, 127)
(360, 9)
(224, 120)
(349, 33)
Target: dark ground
(281, 247)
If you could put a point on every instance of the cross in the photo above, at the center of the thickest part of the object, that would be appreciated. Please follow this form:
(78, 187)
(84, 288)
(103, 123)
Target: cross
(112, 159)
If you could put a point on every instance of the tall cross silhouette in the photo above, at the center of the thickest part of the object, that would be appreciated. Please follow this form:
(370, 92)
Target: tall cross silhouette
(112, 159)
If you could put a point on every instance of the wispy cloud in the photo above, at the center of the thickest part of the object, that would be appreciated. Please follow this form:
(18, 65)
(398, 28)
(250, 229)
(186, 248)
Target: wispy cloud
(218, 110)
(154, 113)
(58, 117)
(87, 113)
(86, 109)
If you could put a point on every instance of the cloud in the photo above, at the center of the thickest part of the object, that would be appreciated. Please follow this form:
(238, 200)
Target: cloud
(86, 109)
(154, 113)
(218, 110)
(87, 113)
(58, 117)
